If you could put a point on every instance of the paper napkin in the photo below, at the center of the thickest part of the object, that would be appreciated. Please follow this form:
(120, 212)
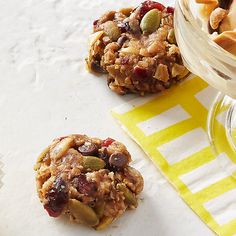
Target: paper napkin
(171, 129)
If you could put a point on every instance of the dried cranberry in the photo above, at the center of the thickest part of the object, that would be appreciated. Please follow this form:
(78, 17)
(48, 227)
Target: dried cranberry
(149, 5)
(124, 27)
(170, 10)
(95, 22)
(140, 72)
(88, 149)
(118, 160)
(84, 186)
(107, 142)
(57, 198)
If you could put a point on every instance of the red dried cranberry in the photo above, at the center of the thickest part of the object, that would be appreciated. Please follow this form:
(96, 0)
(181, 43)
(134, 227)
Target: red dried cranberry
(95, 22)
(57, 198)
(170, 10)
(140, 72)
(84, 186)
(118, 160)
(149, 5)
(88, 149)
(107, 142)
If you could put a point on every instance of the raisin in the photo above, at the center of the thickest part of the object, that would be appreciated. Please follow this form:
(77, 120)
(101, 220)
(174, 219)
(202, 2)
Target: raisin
(96, 67)
(84, 186)
(88, 149)
(121, 40)
(140, 72)
(103, 154)
(118, 160)
(57, 198)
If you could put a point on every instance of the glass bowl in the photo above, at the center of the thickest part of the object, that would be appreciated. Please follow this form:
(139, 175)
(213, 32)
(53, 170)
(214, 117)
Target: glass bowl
(203, 57)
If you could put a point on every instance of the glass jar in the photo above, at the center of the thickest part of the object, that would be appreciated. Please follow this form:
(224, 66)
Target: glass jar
(203, 57)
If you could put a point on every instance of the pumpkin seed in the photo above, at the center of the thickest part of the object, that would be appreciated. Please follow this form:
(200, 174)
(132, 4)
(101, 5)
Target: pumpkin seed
(61, 148)
(171, 37)
(104, 223)
(130, 198)
(83, 213)
(92, 163)
(99, 208)
(151, 21)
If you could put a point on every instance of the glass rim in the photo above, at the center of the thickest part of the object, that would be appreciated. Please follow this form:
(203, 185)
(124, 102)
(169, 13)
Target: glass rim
(214, 47)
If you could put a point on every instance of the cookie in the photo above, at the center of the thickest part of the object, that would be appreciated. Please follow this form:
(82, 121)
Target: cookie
(88, 179)
(137, 49)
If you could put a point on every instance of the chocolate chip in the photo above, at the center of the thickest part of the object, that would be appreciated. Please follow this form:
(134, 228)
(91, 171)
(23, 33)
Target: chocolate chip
(118, 160)
(88, 149)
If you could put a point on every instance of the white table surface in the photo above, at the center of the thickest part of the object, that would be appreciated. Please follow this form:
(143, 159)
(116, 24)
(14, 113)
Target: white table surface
(45, 92)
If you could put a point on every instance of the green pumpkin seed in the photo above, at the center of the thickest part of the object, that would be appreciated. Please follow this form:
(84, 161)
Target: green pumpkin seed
(130, 198)
(92, 163)
(104, 223)
(111, 29)
(151, 21)
(171, 37)
(83, 213)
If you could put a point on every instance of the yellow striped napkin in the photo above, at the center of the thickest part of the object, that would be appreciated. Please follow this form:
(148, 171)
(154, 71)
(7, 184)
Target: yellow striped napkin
(171, 129)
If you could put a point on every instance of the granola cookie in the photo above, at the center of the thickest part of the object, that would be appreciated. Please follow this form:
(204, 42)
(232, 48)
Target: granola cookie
(88, 179)
(137, 48)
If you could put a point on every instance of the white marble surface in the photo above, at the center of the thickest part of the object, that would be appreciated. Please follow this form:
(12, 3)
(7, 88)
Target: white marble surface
(46, 92)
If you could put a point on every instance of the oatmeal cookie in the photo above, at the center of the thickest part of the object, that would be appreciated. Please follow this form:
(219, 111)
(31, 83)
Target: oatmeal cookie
(137, 48)
(88, 179)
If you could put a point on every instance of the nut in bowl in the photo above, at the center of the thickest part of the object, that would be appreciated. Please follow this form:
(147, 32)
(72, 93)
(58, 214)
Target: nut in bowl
(207, 48)
(88, 179)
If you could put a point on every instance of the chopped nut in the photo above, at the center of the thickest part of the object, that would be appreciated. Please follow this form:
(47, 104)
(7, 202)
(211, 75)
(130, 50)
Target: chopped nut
(177, 70)
(162, 73)
(227, 40)
(217, 16)
(94, 37)
(206, 9)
